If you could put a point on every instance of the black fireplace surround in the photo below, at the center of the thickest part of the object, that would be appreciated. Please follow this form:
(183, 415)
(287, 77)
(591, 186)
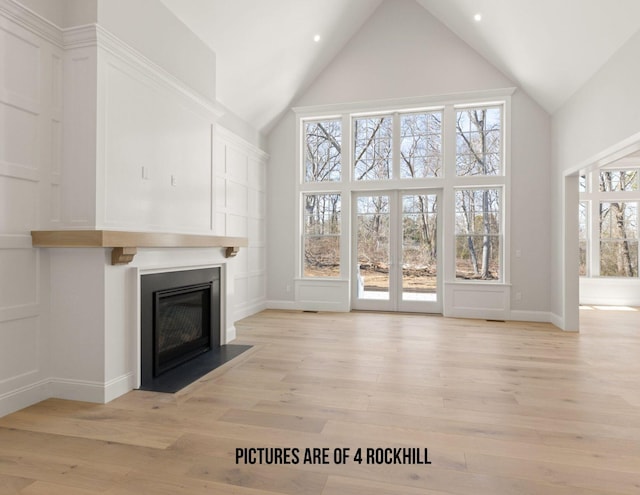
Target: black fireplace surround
(180, 328)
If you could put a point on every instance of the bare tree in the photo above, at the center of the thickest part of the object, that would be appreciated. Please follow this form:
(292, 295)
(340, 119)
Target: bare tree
(478, 131)
(615, 225)
(323, 151)
(372, 148)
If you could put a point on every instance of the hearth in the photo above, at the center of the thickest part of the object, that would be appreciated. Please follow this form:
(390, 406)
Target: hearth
(180, 328)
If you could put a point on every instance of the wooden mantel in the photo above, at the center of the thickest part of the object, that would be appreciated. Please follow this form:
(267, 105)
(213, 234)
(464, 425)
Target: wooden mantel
(125, 243)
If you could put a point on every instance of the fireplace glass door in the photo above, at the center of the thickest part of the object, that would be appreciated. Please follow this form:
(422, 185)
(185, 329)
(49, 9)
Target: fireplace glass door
(182, 325)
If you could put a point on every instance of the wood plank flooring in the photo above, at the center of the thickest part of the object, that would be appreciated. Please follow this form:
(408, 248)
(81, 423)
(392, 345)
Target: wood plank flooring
(503, 408)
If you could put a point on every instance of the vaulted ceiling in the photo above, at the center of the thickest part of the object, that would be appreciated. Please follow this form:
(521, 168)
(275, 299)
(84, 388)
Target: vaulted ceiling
(266, 53)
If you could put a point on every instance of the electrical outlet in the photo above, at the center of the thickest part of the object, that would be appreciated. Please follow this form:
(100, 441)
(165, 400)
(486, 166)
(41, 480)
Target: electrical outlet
(174, 181)
(518, 296)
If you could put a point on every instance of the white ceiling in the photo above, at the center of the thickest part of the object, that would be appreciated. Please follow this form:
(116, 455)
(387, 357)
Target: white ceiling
(266, 55)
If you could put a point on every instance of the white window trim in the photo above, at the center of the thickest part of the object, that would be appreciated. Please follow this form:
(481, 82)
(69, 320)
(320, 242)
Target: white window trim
(593, 197)
(447, 183)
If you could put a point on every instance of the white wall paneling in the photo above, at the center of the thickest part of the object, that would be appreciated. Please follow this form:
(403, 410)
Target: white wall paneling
(465, 300)
(240, 206)
(78, 175)
(321, 295)
(609, 291)
(91, 134)
(30, 144)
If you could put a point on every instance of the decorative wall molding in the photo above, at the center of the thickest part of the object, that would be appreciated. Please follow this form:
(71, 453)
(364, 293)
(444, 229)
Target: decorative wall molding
(253, 151)
(15, 241)
(141, 64)
(75, 96)
(477, 300)
(615, 291)
(21, 172)
(79, 36)
(29, 20)
(21, 312)
(95, 35)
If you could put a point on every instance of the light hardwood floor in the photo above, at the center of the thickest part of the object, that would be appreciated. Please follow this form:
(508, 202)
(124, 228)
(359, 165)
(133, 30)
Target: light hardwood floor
(503, 408)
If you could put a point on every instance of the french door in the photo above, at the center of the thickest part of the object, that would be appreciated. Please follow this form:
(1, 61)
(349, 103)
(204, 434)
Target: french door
(395, 256)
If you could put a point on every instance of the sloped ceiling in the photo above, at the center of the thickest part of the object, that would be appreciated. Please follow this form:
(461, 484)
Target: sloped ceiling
(265, 49)
(549, 47)
(266, 55)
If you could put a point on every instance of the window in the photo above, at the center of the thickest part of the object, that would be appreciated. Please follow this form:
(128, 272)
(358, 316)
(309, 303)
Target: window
(322, 150)
(321, 235)
(618, 180)
(420, 145)
(582, 183)
(608, 223)
(583, 236)
(373, 153)
(478, 232)
(372, 147)
(479, 141)
(618, 239)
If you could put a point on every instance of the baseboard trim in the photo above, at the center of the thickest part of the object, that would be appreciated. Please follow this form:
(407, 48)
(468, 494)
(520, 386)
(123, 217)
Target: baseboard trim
(230, 334)
(249, 309)
(535, 316)
(119, 386)
(283, 305)
(91, 391)
(334, 307)
(557, 320)
(15, 400)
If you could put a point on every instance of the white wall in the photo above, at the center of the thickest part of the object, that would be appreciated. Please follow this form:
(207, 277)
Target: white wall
(600, 118)
(81, 112)
(403, 51)
(150, 28)
(146, 124)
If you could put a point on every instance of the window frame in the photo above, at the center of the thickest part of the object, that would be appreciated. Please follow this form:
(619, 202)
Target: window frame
(499, 235)
(304, 161)
(446, 182)
(594, 197)
(306, 236)
(612, 240)
(501, 108)
(430, 112)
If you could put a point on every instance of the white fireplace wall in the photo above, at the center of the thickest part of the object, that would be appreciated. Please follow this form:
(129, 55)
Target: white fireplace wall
(63, 165)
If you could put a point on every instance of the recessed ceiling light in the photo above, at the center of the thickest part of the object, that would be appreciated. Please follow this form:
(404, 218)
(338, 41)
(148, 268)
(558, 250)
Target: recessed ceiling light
(477, 17)
(316, 38)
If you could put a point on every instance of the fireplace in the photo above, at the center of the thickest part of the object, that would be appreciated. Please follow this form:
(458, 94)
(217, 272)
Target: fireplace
(180, 324)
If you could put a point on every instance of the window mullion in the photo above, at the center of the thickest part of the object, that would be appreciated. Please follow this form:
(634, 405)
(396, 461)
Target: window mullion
(594, 238)
(395, 147)
(449, 141)
(347, 150)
